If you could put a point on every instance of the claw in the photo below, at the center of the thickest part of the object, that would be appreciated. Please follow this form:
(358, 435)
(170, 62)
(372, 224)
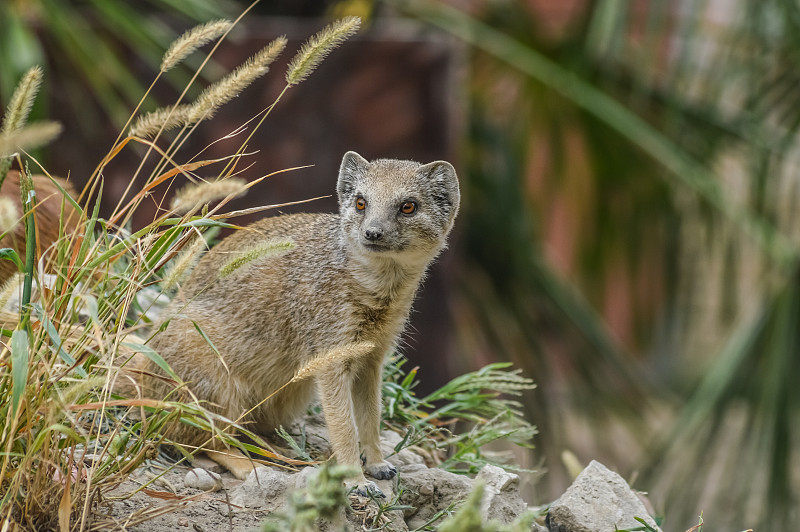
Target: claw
(381, 471)
(368, 489)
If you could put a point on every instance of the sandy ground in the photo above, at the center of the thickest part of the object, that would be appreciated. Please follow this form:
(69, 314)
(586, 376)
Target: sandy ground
(203, 512)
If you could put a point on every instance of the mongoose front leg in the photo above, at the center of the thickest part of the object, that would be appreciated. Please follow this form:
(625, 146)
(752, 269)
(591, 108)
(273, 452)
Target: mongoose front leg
(367, 401)
(335, 387)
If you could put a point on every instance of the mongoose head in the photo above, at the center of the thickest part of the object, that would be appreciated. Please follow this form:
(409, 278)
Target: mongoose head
(397, 209)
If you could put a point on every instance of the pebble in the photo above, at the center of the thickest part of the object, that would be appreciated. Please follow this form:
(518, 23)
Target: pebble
(203, 480)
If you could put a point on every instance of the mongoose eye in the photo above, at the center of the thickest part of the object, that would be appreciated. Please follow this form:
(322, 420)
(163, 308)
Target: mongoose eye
(361, 204)
(409, 207)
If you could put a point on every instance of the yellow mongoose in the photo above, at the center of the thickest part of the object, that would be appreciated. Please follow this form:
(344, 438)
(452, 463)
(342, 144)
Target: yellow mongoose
(348, 278)
(51, 223)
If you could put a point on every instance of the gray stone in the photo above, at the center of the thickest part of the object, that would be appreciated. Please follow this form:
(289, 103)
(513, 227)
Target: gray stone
(389, 438)
(501, 500)
(265, 488)
(599, 500)
(303, 477)
(201, 479)
(429, 491)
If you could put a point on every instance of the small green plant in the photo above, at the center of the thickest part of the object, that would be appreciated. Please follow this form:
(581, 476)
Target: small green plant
(430, 524)
(644, 528)
(323, 499)
(373, 511)
(469, 518)
(297, 445)
(476, 399)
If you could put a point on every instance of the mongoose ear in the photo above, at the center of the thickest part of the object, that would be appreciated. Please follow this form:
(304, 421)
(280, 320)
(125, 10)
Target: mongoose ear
(442, 175)
(353, 166)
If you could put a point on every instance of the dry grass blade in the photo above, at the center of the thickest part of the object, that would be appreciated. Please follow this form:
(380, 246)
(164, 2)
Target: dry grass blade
(192, 40)
(261, 208)
(318, 47)
(146, 514)
(178, 169)
(152, 403)
(65, 507)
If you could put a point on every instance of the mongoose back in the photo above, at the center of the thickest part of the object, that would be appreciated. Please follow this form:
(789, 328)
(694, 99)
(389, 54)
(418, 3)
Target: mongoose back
(348, 278)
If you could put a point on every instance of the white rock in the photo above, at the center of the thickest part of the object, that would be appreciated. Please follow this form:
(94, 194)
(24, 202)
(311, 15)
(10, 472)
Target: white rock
(203, 480)
(498, 478)
(501, 500)
(598, 500)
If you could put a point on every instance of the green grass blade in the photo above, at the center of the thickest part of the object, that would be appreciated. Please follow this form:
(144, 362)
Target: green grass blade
(65, 194)
(210, 344)
(19, 367)
(89, 232)
(58, 427)
(28, 194)
(10, 254)
(151, 353)
(57, 342)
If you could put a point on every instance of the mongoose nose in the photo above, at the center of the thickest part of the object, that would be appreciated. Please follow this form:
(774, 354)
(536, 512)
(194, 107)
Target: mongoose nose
(373, 233)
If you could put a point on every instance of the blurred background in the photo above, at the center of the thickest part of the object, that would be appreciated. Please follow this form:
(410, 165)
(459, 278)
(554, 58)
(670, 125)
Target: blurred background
(629, 172)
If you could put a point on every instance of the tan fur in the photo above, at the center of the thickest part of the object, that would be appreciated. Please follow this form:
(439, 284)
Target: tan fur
(334, 288)
(48, 212)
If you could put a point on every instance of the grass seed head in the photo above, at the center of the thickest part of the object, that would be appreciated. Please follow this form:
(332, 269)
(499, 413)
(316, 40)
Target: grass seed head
(183, 264)
(192, 196)
(19, 107)
(28, 137)
(164, 119)
(318, 47)
(8, 291)
(265, 249)
(336, 356)
(192, 40)
(9, 214)
(218, 94)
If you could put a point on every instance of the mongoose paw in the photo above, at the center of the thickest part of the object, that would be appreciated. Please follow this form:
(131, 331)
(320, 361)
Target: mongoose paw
(381, 470)
(368, 489)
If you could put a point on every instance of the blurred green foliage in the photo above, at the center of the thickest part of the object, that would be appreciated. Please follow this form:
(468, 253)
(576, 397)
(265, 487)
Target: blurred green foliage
(92, 47)
(631, 199)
